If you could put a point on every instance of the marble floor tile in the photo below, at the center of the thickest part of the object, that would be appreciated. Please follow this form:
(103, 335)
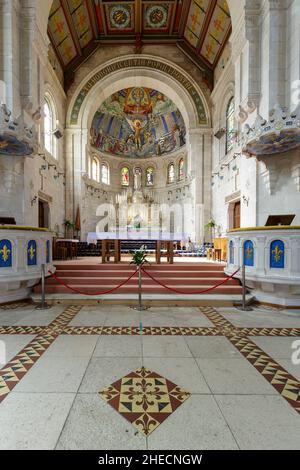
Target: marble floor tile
(276, 347)
(165, 346)
(54, 374)
(94, 425)
(33, 421)
(197, 424)
(234, 376)
(261, 422)
(103, 371)
(118, 346)
(72, 346)
(13, 344)
(215, 347)
(183, 371)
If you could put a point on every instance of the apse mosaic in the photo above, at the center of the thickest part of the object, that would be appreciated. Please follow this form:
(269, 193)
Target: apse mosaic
(138, 122)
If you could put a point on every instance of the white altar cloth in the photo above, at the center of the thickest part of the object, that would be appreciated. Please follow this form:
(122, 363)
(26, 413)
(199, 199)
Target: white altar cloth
(134, 235)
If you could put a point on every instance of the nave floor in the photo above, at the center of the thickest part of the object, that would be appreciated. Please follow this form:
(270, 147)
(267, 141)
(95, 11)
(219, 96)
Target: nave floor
(192, 378)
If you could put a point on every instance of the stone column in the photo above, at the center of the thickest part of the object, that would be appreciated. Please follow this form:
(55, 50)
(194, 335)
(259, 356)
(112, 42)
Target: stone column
(199, 166)
(9, 53)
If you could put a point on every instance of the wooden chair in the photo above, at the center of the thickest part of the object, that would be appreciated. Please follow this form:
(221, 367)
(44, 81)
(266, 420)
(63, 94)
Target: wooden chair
(217, 254)
(60, 251)
(209, 253)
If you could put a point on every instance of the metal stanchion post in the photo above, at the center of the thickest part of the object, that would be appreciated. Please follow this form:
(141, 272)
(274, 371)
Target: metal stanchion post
(43, 305)
(244, 307)
(140, 307)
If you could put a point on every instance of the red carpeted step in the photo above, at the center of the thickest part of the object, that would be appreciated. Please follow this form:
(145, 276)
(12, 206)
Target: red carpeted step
(161, 274)
(185, 277)
(59, 289)
(85, 281)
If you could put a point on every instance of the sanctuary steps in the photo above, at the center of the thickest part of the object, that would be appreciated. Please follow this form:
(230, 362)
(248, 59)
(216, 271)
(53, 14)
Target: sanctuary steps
(189, 278)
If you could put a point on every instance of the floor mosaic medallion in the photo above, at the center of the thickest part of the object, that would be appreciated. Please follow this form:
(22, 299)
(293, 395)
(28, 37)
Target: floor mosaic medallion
(144, 398)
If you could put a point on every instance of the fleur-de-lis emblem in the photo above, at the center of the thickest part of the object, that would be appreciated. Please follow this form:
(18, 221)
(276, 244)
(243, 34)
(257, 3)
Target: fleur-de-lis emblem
(249, 252)
(277, 252)
(31, 252)
(5, 252)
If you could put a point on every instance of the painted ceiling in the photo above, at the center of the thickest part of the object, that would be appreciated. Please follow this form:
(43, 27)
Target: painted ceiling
(199, 27)
(138, 122)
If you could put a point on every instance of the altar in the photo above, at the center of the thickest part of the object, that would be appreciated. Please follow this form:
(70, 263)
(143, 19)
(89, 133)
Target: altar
(112, 242)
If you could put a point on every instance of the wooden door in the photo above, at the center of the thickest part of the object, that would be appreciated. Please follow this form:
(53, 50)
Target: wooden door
(237, 215)
(41, 214)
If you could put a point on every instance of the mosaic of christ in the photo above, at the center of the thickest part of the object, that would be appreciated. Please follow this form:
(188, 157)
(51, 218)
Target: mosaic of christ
(138, 122)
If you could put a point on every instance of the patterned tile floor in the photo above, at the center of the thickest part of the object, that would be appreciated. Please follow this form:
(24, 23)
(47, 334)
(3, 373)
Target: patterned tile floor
(203, 378)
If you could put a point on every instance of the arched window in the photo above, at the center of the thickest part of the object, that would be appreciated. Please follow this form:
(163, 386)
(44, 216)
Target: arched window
(105, 173)
(49, 126)
(95, 169)
(181, 170)
(230, 125)
(125, 178)
(171, 173)
(150, 176)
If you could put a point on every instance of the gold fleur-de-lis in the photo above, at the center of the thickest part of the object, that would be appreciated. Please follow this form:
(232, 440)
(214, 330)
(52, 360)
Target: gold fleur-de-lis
(249, 251)
(277, 252)
(31, 252)
(5, 252)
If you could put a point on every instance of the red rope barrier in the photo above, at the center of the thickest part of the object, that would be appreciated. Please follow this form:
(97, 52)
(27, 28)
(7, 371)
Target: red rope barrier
(86, 293)
(181, 292)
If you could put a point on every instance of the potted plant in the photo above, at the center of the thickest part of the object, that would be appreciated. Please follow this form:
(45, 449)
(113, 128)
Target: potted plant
(69, 225)
(139, 257)
(139, 260)
(211, 226)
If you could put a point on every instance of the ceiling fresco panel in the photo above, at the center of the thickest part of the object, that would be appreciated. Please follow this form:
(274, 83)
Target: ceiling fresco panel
(157, 16)
(199, 27)
(81, 21)
(60, 34)
(120, 17)
(218, 29)
(195, 21)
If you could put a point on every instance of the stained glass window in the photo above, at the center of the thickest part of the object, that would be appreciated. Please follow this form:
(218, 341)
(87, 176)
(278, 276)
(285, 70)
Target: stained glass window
(95, 169)
(230, 132)
(104, 173)
(150, 176)
(181, 172)
(171, 173)
(125, 176)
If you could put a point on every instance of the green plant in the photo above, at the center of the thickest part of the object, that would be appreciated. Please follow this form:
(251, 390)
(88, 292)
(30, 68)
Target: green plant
(139, 257)
(68, 224)
(211, 224)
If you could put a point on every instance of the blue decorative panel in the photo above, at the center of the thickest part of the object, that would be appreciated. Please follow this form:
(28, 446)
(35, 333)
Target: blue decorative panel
(31, 253)
(277, 254)
(248, 253)
(48, 251)
(5, 254)
(231, 252)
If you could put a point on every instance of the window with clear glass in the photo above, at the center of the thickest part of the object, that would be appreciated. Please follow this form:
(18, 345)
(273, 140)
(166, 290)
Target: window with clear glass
(150, 176)
(230, 132)
(171, 173)
(181, 171)
(48, 127)
(125, 176)
(95, 169)
(104, 173)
